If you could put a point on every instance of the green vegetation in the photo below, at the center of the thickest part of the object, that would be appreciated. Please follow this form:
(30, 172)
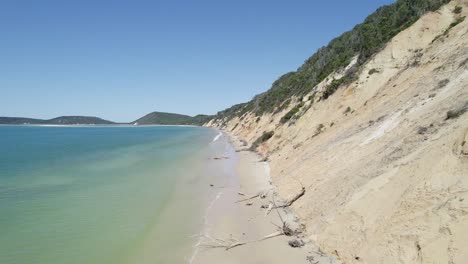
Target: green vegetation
(199, 120)
(347, 110)
(457, 10)
(263, 138)
(73, 120)
(160, 118)
(452, 114)
(333, 86)
(364, 40)
(457, 21)
(63, 120)
(155, 118)
(372, 71)
(442, 83)
(291, 113)
(20, 121)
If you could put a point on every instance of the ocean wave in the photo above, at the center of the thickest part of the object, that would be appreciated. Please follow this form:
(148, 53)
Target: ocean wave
(217, 137)
(204, 231)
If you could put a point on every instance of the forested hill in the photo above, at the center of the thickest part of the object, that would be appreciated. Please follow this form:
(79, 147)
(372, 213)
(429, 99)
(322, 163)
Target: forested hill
(363, 41)
(161, 118)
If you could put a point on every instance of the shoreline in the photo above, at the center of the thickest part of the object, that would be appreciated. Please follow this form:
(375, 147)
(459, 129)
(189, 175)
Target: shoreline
(97, 125)
(237, 231)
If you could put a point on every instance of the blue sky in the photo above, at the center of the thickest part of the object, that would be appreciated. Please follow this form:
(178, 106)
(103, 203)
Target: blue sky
(122, 59)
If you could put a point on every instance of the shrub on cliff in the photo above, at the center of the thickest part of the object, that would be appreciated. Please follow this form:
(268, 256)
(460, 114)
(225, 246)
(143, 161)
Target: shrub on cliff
(263, 138)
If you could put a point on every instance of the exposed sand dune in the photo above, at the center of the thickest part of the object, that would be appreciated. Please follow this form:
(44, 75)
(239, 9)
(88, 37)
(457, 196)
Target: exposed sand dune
(386, 172)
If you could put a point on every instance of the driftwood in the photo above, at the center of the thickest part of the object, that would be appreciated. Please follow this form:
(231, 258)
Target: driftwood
(292, 200)
(262, 195)
(247, 199)
(220, 243)
(283, 230)
(270, 207)
(296, 243)
(232, 243)
(222, 157)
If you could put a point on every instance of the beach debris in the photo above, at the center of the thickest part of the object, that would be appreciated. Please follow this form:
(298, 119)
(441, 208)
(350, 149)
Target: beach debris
(262, 195)
(296, 243)
(221, 157)
(293, 199)
(232, 243)
(272, 235)
(285, 228)
(220, 243)
(243, 142)
(311, 260)
(270, 207)
(457, 112)
(250, 198)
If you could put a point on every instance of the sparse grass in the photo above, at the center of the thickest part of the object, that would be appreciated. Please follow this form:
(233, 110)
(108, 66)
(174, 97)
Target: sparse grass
(442, 83)
(452, 114)
(334, 85)
(457, 21)
(260, 140)
(422, 130)
(463, 62)
(318, 130)
(347, 110)
(283, 106)
(289, 115)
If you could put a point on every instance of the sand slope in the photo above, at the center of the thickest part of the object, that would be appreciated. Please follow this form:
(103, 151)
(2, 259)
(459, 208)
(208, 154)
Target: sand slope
(386, 179)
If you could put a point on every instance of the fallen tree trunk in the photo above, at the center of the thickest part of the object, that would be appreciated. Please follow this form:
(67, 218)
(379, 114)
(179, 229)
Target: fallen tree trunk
(292, 200)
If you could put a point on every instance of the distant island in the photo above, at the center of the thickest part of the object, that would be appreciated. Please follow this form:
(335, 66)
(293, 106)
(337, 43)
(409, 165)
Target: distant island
(62, 120)
(154, 118)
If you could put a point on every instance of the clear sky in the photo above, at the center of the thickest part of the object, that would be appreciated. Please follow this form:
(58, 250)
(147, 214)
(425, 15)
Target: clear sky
(120, 60)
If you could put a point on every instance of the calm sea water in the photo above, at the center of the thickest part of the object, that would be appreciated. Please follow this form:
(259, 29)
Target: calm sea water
(103, 194)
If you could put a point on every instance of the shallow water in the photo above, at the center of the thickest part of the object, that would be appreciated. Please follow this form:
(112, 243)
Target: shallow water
(104, 194)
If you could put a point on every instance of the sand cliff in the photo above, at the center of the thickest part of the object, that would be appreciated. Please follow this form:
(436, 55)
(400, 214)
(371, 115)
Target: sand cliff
(384, 163)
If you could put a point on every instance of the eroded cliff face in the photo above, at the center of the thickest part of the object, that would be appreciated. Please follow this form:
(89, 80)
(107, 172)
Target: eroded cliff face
(384, 164)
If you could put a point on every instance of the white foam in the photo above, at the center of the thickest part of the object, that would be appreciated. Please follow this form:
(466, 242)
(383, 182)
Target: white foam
(217, 137)
(205, 229)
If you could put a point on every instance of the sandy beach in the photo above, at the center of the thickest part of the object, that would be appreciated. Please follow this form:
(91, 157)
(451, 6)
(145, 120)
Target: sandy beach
(231, 221)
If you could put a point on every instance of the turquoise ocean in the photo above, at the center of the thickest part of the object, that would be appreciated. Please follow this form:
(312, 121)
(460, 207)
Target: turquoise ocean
(102, 195)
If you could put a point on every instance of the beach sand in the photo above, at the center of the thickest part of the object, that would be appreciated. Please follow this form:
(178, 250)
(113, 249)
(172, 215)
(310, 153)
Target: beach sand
(229, 221)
